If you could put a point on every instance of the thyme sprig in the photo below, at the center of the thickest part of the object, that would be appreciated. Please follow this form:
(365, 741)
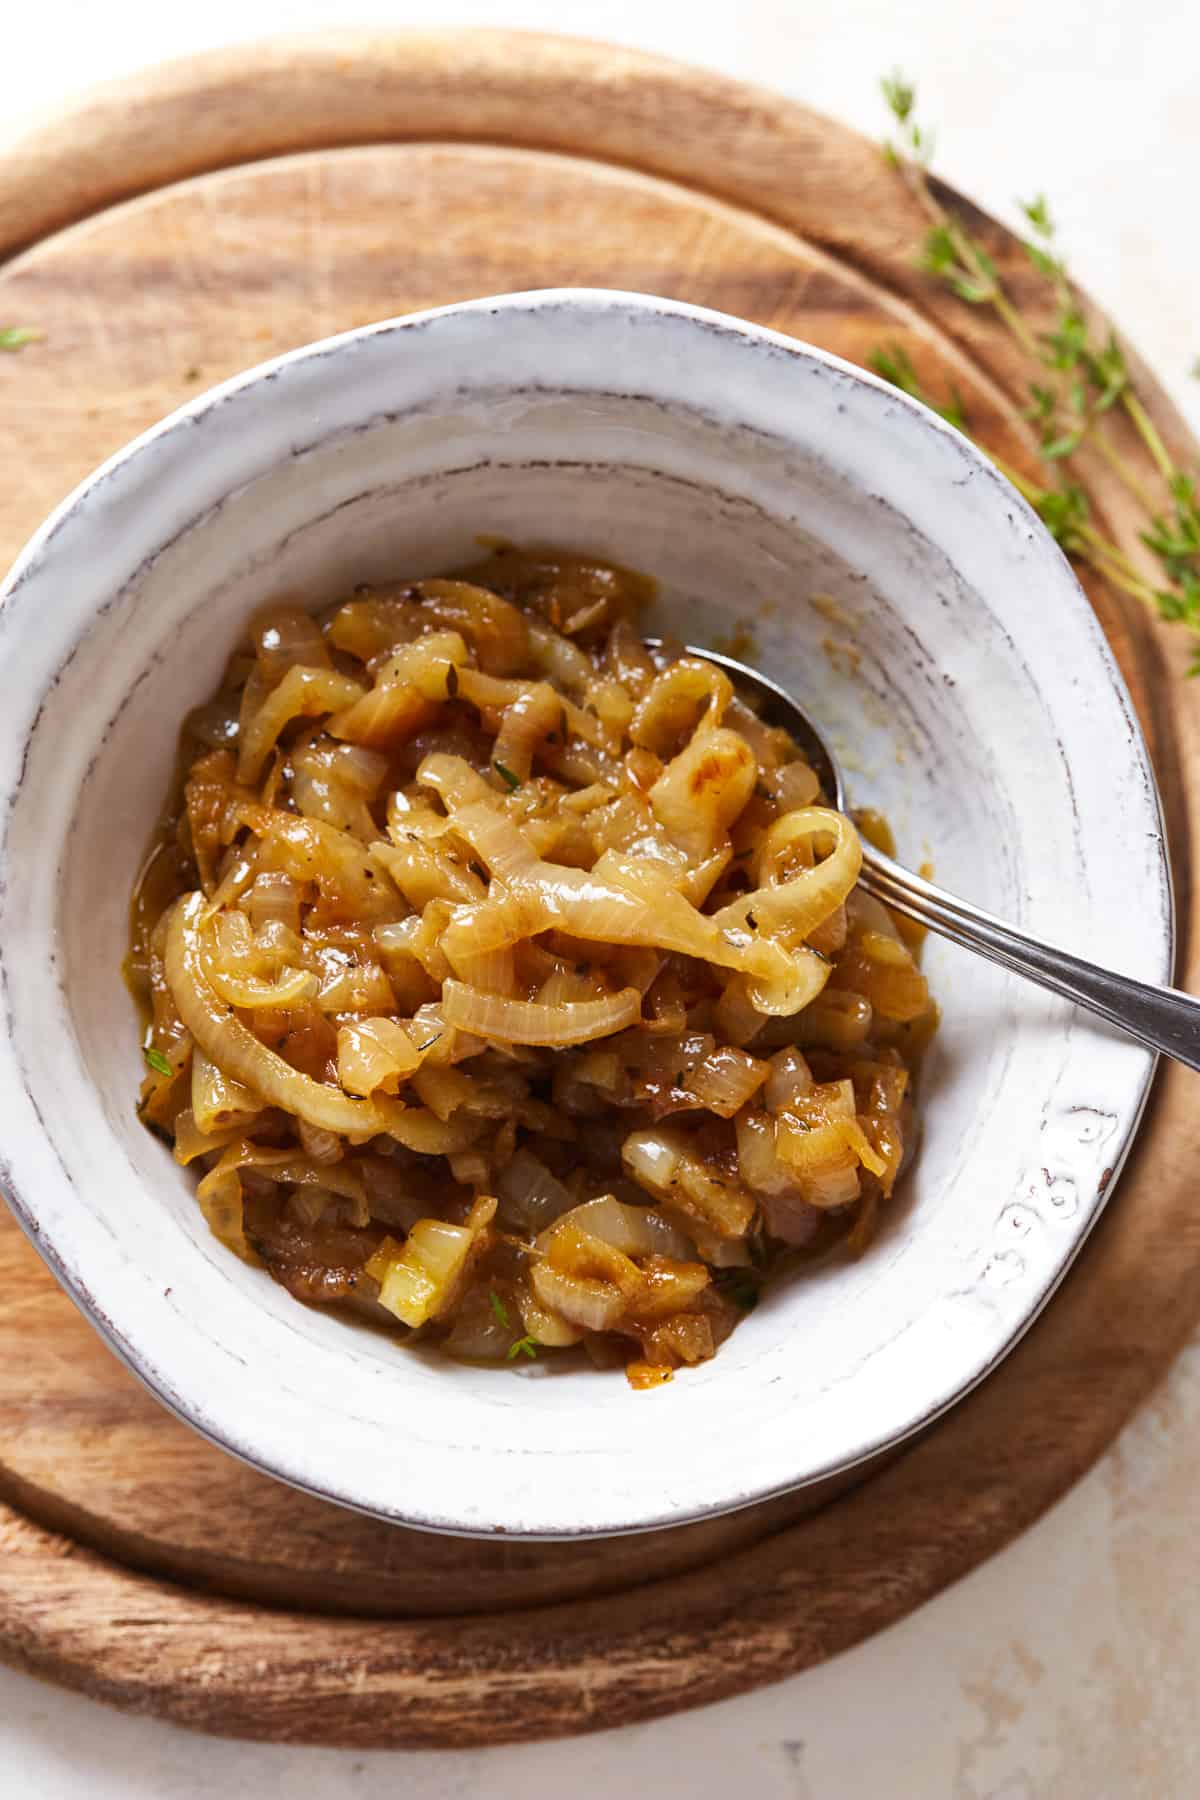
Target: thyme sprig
(1076, 377)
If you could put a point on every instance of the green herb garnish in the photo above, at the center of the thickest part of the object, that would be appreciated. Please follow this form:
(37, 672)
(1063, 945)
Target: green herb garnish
(498, 1307)
(157, 1060)
(1076, 374)
(15, 337)
(525, 1346)
(512, 782)
(894, 364)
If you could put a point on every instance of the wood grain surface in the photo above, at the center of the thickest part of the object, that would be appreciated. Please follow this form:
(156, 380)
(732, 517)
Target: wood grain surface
(177, 228)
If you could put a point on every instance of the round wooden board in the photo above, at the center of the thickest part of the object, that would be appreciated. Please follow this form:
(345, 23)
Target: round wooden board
(270, 197)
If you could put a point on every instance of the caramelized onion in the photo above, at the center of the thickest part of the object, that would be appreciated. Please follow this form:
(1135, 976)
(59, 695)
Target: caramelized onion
(302, 694)
(587, 1301)
(633, 1230)
(233, 1046)
(509, 980)
(530, 1196)
(491, 1016)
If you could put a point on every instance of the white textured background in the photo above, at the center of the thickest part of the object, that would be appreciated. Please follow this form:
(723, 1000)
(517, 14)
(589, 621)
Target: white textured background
(1065, 1669)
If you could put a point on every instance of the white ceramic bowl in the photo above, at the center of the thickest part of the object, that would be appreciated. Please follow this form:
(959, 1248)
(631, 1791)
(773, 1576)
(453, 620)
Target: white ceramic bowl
(980, 708)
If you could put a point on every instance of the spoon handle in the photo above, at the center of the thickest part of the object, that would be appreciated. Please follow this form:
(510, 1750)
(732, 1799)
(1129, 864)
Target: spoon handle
(1161, 1018)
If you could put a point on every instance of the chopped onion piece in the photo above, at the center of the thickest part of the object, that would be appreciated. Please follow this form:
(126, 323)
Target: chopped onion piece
(585, 1301)
(217, 1101)
(662, 1161)
(423, 1278)
(702, 790)
(530, 1196)
(790, 1076)
(273, 899)
(544, 1326)
(633, 1230)
(726, 1080)
(375, 1056)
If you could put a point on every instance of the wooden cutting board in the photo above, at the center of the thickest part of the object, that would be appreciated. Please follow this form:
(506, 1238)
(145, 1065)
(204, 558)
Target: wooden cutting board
(173, 229)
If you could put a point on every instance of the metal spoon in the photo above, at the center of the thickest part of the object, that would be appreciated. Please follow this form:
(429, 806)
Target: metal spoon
(1161, 1018)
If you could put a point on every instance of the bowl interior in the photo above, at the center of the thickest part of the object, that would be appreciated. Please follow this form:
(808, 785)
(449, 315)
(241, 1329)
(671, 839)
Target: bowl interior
(880, 571)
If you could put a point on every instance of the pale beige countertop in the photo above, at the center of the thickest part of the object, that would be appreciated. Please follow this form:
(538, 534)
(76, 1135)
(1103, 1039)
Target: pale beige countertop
(1066, 1668)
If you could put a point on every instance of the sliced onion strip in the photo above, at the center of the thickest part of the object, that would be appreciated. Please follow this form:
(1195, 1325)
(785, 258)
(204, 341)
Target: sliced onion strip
(494, 1016)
